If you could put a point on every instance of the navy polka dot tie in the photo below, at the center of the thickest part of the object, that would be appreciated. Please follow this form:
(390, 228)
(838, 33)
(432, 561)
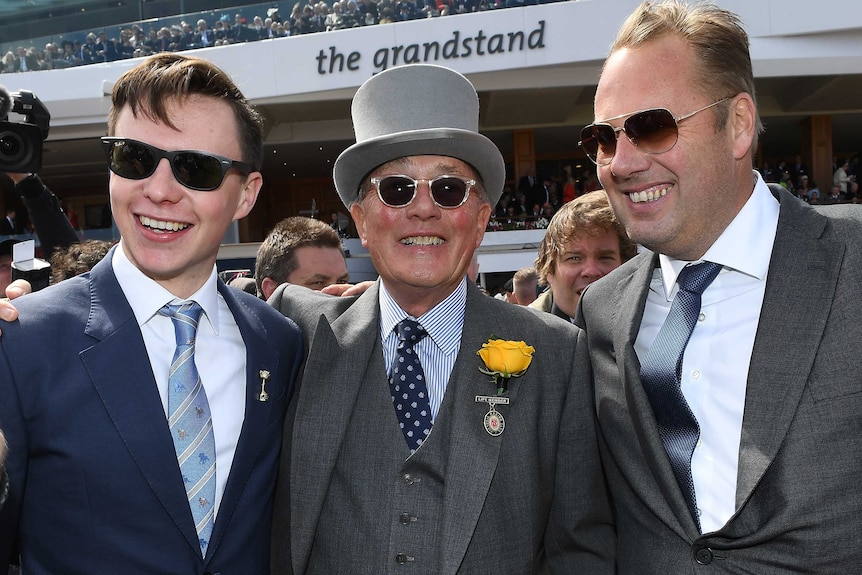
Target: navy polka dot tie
(408, 387)
(660, 372)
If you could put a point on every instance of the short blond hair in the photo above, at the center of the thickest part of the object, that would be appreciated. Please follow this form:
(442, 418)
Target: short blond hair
(715, 35)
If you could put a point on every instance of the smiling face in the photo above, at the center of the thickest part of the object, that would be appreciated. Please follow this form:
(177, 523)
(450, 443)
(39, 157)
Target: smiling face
(581, 262)
(677, 202)
(169, 232)
(421, 251)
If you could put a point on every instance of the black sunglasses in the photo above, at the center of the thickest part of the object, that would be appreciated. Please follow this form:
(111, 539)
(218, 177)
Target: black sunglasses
(654, 131)
(195, 170)
(447, 191)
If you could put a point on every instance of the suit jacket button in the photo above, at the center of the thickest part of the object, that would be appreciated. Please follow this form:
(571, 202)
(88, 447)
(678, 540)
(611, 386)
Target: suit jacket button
(404, 519)
(403, 558)
(703, 555)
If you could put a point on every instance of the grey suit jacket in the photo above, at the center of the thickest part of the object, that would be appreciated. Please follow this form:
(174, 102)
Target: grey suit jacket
(532, 496)
(799, 506)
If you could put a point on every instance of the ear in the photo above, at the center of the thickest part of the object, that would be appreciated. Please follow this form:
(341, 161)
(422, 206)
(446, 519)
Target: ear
(358, 215)
(482, 218)
(742, 125)
(267, 286)
(248, 195)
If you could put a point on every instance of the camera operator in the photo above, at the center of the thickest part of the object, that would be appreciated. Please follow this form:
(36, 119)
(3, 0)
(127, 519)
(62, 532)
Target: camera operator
(52, 226)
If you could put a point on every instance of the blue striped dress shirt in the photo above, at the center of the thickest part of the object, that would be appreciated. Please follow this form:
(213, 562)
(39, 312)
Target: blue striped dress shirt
(438, 351)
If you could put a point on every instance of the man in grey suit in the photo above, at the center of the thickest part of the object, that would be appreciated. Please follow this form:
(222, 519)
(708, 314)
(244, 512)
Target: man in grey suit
(502, 473)
(742, 453)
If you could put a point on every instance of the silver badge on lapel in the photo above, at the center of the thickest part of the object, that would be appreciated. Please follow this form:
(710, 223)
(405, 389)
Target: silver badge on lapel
(264, 377)
(493, 422)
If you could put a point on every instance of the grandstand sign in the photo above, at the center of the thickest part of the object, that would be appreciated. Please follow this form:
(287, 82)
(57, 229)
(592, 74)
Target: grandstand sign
(459, 44)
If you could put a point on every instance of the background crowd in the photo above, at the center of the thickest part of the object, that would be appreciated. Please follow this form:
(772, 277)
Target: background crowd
(794, 176)
(184, 33)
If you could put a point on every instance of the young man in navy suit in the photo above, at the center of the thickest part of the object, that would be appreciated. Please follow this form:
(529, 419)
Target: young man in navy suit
(99, 469)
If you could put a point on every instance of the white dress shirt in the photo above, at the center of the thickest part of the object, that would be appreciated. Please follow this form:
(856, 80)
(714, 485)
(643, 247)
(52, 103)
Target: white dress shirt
(716, 360)
(220, 354)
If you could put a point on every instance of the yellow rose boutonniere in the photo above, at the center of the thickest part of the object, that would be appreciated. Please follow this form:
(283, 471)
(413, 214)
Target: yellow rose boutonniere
(505, 359)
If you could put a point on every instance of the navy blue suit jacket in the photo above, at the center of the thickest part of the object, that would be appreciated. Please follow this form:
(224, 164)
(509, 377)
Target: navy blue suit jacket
(95, 484)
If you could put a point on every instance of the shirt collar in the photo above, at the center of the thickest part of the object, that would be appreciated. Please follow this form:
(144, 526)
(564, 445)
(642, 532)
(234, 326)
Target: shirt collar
(146, 296)
(744, 246)
(438, 321)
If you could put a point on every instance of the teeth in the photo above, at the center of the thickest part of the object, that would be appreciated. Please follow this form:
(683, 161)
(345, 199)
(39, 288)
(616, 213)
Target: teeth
(422, 241)
(638, 197)
(162, 225)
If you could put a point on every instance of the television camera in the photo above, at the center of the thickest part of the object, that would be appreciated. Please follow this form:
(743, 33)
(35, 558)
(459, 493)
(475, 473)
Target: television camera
(21, 142)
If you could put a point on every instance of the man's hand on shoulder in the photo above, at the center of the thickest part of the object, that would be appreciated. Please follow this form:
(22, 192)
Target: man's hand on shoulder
(8, 312)
(346, 290)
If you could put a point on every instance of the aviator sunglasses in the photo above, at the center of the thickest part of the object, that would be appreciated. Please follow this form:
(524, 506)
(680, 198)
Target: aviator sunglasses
(653, 131)
(446, 191)
(195, 170)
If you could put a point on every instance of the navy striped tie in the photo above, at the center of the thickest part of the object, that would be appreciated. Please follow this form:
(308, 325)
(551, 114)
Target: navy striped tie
(660, 372)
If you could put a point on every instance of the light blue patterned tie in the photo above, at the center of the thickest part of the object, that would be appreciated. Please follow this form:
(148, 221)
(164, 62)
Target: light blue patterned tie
(191, 422)
(660, 372)
(408, 386)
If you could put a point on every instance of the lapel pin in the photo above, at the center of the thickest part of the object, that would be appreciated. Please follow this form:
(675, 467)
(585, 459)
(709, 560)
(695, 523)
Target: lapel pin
(264, 377)
(493, 422)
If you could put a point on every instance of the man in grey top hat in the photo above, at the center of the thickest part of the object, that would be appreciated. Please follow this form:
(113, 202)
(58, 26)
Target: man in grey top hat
(406, 449)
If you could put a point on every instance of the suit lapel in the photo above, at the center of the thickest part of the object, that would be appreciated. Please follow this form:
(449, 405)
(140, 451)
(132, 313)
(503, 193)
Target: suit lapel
(337, 361)
(473, 453)
(122, 376)
(631, 298)
(258, 415)
(802, 263)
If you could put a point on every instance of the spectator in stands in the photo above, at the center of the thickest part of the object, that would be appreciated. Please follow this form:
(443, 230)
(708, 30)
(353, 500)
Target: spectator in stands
(102, 44)
(369, 14)
(204, 36)
(222, 31)
(335, 19)
(386, 15)
(570, 188)
(69, 57)
(257, 26)
(841, 176)
(88, 53)
(8, 62)
(25, 61)
(318, 18)
(834, 196)
(352, 16)
(188, 36)
(803, 189)
(52, 55)
(164, 42)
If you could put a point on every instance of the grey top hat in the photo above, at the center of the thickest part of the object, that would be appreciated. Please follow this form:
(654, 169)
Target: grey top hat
(415, 110)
